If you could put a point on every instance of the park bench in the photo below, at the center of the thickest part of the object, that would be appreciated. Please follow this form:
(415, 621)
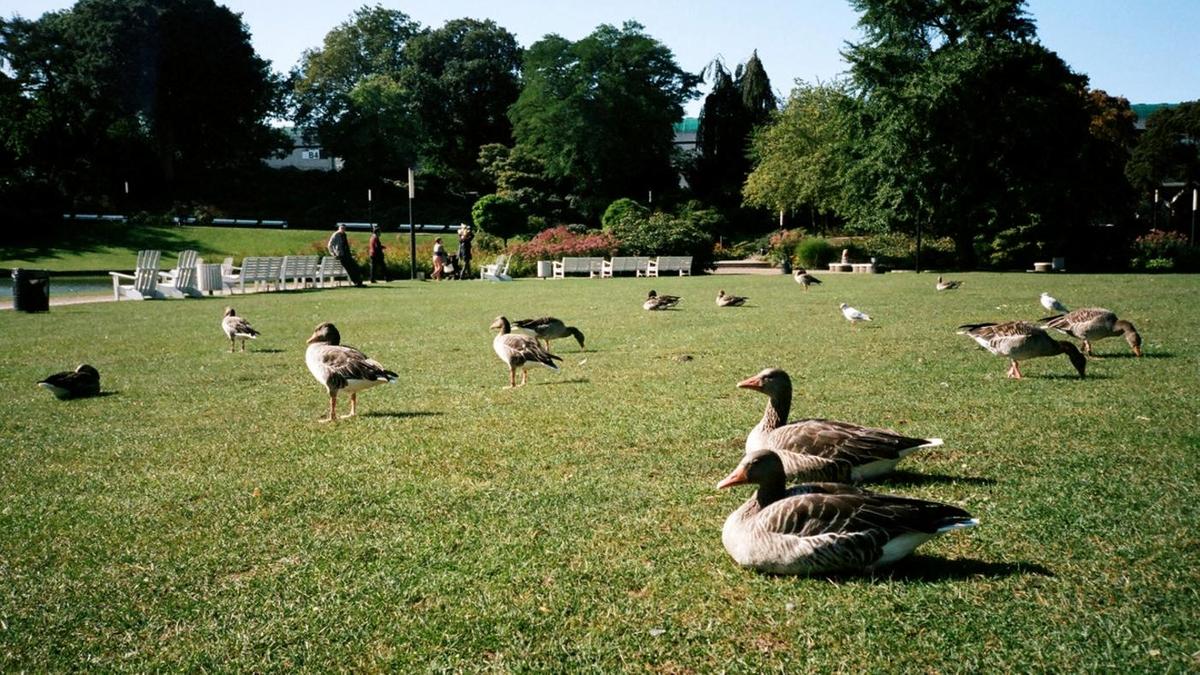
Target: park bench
(261, 272)
(331, 271)
(670, 263)
(621, 264)
(300, 269)
(588, 266)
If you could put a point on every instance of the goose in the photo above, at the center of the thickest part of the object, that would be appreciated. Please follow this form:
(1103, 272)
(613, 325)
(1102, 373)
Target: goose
(805, 279)
(655, 302)
(1095, 323)
(236, 328)
(79, 383)
(1020, 340)
(823, 450)
(819, 528)
(947, 285)
(1051, 303)
(548, 328)
(519, 351)
(730, 300)
(853, 315)
(340, 367)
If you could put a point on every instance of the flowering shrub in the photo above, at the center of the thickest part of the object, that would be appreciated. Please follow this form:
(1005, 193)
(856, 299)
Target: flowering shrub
(558, 242)
(1162, 251)
(783, 243)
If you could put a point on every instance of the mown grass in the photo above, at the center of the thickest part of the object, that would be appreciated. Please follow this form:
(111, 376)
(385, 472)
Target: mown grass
(198, 517)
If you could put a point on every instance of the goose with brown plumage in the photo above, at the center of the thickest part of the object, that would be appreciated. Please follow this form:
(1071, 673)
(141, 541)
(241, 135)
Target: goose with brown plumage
(82, 382)
(1095, 323)
(805, 279)
(342, 368)
(724, 300)
(947, 284)
(655, 302)
(1020, 340)
(237, 328)
(547, 328)
(817, 528)
(519, 351)
(819, 449)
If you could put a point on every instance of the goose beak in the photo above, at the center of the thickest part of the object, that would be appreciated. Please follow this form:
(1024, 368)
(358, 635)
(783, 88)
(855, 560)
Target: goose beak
(1137, 351)
(754, 383)
(738, 477)
(311, 339)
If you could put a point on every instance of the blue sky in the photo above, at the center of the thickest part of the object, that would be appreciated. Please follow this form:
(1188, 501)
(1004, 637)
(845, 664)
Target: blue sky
(1145, 50)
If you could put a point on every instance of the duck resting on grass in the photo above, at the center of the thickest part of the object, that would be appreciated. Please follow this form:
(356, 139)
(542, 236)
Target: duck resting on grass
(548, 328)
(947, 285)
(805, 279)
(79, 383)
(1095, 323)
(519, 351)
(817, 528)
(730, 300)
(237, 328)
(1020, 340)
(656, 302)
(342, 368)
(823, 450)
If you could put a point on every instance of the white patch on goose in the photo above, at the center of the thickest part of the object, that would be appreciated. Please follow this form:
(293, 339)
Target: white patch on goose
(901, 546)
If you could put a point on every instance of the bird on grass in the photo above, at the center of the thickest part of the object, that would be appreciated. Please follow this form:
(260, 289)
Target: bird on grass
(730, 300)
(656, 302)
(237, 328)
(947, 285)
(519, 351)
(1095, 323)
(819, 449)
(818, 528)
(548, 328)
(805, 279)
(79, 383)
(1051, 303)
(342, 368)
(853, 315)
(1020, 340)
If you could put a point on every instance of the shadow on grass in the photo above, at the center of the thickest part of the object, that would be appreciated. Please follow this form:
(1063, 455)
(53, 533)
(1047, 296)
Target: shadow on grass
(930, 568)
(555, 383)
(914, 478)
(71, 239)
(1092, 375)
(1131, 355)
(403, 414)
(265, 351)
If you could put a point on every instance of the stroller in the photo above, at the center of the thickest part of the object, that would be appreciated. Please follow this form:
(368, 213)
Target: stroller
(452, 269)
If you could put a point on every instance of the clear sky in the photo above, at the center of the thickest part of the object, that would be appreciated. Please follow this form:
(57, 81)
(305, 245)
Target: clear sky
(1145, 50)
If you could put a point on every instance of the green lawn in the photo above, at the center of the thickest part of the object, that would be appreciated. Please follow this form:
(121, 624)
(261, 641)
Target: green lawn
(197, 517)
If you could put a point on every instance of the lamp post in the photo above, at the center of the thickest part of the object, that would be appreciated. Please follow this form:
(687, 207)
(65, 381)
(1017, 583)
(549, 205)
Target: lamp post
(370, 209)
(1154, 212)
(412, 232)
(1195, 195)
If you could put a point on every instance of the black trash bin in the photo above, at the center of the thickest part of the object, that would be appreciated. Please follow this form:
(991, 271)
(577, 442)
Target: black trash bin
(31, 290)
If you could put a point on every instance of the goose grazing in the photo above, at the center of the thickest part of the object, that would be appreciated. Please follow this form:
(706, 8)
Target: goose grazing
(1051, 303)
(730, 300)
(818, 528)
(519, 351)
(823, 450)
(548, 328)
(236, 328)
(853, 315)
(340, 367)
(805, 279)
(656, 302)
(1020, 340)
(1095, 323)
(947, 285)
(79, 383)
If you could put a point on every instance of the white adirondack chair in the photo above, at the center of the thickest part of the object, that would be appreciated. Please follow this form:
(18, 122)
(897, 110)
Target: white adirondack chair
(230, 275)
(497, 271)
(181, 281)
(144, 280)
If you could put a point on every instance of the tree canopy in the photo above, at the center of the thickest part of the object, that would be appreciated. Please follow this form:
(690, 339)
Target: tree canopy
(1170, 148)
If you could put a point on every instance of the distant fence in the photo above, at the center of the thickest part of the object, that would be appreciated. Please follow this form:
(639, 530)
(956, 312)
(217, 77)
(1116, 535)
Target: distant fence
(257, 223)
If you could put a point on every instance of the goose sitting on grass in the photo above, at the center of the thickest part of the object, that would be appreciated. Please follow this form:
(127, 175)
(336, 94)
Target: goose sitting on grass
(818, 528)
(823, 450)
(947, 285)
(1020, 340)
(655, 302)
(79, 383)
(548, 328)
(237, 328)
(1095, 323)
(342, 368)
(730, 300)
(519, 351)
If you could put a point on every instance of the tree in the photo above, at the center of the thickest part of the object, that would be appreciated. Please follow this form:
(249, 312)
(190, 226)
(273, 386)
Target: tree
(519, 176)
(598, 113)
(1170, 148)
(498, 216)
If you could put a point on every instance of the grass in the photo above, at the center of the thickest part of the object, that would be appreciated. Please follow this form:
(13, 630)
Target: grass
(197, 517)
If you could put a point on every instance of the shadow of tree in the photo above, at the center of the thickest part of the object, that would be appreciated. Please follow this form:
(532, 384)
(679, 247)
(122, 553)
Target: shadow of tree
(72, 238)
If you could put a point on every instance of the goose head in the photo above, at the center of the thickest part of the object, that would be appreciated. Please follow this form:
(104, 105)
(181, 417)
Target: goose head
(229, 312)
(775, 383)
(1077, 358)
(502, 324)
(85, 369)
(652, 294)
(325, 333)
(1131, 335)
(761, 467)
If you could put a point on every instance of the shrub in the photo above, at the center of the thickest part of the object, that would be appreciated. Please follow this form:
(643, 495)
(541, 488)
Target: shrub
(661, 233)
(558, 242)
(621, 208)
(782, 245)
(1160, 251)
(499, 216)
(814, 252)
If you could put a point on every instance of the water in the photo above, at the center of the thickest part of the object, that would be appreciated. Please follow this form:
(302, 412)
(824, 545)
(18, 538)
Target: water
(64, 286)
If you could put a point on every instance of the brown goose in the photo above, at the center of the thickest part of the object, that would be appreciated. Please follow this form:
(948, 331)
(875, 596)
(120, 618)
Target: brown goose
(947, 285)
(825, 527)
(730, 300)
(340, 367)
(805, 279)
(548, 328)
(236, 328)
(79, 383)
(1095, 323)
(519, 351)
(1020, 340)
(656, 302)
(823, 450)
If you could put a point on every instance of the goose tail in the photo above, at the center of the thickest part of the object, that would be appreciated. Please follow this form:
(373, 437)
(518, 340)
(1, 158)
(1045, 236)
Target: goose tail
(958, 524)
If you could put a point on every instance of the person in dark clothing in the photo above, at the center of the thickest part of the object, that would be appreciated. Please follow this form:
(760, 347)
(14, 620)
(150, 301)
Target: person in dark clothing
(465, 237)
(375, 251)
(339, 247)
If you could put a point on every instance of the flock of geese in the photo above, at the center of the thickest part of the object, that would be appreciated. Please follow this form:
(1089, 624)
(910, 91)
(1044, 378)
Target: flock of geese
(824, 522)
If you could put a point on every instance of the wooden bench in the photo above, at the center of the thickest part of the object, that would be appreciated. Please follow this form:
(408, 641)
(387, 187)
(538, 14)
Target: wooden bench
(330, 271)
(300, 269)
(670, 263)
(635, 264)
(261, 272)
(588, 266)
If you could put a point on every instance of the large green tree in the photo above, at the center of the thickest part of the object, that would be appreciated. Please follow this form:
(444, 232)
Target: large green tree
(598, 113)
(1169, 150)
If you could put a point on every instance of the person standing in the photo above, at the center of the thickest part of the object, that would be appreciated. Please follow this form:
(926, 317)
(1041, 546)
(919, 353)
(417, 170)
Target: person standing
(465, 237)
(339, 247)
(375, 252)
(439, 259)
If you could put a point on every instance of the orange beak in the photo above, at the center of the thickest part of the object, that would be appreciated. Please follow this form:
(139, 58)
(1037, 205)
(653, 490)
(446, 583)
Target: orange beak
(738, 477)
(1137, 351)
(311, 338)
(754, 383)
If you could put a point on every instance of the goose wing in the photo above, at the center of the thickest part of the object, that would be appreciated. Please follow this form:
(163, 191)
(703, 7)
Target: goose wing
(236, 325)
(543, 326)
(842, 441)
(69, 384)
(521, 349)
(342, 364)
(1081, 321)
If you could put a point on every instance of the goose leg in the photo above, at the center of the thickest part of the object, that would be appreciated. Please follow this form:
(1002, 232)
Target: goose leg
(512, 377)
(1017, 369)
(353, 405)
(332, 409)
(524, 376)
(232, 344)
(243, 344)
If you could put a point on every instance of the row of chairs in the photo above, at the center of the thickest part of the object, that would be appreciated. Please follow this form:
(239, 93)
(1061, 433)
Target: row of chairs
(642, 266)
(192, 277)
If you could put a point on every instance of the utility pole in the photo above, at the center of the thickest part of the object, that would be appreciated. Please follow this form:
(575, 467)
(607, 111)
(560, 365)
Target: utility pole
(412, 232)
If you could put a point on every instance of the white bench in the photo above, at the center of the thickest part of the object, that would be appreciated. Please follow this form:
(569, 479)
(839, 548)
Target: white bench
(301, 269)
(261, 272)
(863, 268)
(670, 263)
(635, 264)
(589, 266)
(330, 271)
